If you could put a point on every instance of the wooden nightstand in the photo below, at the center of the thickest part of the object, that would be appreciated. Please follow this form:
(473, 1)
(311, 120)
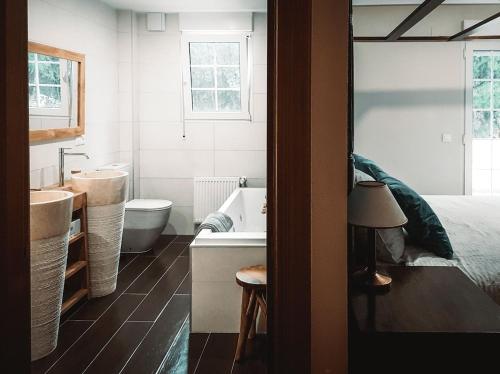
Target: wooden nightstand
(432, 319)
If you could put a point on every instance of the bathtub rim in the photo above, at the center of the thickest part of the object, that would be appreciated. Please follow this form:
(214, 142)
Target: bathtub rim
(207, 238)
(234, 194)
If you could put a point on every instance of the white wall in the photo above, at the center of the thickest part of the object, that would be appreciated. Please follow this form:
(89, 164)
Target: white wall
(167, 162)
(88, 27)
(408, 94)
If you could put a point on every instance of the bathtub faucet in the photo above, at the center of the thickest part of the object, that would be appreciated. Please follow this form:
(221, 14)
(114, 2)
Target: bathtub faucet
(243, 182)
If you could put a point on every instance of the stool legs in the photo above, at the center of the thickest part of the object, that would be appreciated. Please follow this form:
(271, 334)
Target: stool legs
(253, 329)
(248, 307)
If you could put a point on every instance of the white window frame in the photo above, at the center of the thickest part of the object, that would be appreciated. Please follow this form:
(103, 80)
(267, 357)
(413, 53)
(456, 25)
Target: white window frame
(243, 40)
(469, 48)
(63, 110)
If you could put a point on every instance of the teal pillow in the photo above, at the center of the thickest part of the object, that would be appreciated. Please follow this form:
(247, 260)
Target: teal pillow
(423, 225)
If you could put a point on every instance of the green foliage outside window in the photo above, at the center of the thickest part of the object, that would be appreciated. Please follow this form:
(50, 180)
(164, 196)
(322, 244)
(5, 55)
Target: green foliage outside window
(486, 95)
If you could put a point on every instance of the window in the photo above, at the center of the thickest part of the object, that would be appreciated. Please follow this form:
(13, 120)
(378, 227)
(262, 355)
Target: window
(48, 93)
(486, 122)
(216, 77)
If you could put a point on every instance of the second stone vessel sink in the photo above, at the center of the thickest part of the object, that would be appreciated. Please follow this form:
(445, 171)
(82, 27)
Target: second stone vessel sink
(103, 187)
(50, 219)
(107, 191)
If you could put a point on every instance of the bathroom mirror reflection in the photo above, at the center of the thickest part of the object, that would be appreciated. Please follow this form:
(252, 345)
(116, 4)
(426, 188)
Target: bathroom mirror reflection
(56, 93)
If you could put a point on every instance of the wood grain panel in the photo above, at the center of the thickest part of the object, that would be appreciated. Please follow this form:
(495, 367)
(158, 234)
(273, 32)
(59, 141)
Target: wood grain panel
(289, 184)
(14, 189)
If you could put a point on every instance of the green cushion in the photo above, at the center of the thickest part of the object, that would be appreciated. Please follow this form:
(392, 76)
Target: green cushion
(423, 225)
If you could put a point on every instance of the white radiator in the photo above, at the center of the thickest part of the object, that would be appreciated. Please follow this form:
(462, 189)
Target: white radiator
(210, 193)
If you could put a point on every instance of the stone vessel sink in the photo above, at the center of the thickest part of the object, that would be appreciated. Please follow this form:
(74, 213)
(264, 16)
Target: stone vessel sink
(50, 213)
(103, 187)
(107, 192)
(50, 219)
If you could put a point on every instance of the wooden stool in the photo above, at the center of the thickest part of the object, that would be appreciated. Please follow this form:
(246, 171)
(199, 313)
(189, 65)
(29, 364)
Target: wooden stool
(253, 280)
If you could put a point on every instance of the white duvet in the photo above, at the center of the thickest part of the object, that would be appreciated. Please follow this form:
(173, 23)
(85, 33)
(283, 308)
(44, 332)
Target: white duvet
(473, 225)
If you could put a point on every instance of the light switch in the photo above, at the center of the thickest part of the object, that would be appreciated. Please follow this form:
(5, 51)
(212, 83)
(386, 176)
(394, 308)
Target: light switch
(447, 138)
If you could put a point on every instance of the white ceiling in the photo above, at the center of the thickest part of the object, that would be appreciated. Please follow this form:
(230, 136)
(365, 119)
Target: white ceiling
(175, 6)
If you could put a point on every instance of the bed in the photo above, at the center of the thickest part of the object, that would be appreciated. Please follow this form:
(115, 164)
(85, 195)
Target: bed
(473, 226)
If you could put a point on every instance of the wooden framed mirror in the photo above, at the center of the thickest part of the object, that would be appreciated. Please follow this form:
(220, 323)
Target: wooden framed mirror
(56, 89)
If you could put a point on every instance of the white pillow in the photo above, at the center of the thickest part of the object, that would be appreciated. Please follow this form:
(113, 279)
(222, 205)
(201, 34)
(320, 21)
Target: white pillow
(360, 176)
(390, 245)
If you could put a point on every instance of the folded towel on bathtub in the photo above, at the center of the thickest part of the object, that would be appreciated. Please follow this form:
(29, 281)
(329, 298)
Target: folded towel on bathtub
(216, 222)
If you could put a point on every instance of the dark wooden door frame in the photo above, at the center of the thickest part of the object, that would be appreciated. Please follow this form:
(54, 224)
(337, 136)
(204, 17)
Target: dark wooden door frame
(289, 172)
(14, 189)
(294, 49)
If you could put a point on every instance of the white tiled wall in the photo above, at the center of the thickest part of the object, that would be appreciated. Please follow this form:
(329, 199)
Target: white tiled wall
(88, 27)
(167, 161)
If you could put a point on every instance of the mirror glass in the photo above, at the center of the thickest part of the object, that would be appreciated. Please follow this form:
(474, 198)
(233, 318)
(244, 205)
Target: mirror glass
(53, 92)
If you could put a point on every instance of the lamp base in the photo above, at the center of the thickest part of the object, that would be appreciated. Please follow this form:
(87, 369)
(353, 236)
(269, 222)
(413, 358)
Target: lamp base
(373, 281)
(378, 280)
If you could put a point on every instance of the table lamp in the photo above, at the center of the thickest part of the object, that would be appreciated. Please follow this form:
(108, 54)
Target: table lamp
(371, 205)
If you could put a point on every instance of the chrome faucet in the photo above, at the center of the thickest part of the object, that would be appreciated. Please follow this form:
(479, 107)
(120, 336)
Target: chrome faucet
(62, 154)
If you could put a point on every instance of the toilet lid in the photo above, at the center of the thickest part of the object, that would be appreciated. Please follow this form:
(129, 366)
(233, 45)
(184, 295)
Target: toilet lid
(148, 204)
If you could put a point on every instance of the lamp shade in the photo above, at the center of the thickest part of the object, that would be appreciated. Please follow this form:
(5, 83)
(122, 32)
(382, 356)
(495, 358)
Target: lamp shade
(371, 204)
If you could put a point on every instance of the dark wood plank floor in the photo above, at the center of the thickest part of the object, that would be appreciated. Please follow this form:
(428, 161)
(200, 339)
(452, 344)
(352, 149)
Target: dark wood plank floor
(143, 327)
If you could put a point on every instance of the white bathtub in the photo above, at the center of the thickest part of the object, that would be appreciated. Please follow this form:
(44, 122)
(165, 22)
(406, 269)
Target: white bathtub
(216, 257)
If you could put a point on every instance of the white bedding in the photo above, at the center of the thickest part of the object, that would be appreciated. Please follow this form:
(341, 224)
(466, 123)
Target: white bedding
(473, 226)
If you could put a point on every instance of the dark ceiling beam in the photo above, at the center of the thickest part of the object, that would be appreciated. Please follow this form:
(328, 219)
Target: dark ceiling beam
(415, 17)
(423, 38)
(402, 39)
(463, 34)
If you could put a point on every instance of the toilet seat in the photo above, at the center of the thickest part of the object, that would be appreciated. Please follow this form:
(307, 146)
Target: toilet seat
(147, 205)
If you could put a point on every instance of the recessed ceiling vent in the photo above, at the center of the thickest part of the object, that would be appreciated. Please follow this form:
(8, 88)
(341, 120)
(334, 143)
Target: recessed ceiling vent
(156, 22)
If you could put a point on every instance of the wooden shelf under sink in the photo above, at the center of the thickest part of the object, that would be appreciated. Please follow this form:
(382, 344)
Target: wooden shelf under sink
(74, 268)
(75, 238)
(73, 299)
(76, 277)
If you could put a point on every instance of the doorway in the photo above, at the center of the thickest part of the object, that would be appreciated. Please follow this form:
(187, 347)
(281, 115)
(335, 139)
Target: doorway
(295, 50)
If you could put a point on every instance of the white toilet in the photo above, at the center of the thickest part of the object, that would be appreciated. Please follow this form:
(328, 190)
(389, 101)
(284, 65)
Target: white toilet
(145, 219)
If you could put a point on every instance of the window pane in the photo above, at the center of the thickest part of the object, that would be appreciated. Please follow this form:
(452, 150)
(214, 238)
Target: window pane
(227, 53)
(481, 181)
(496, 95)
(49, 74)
(31, 56)
(228, 77)
(203, 101)
(496, 125)
(32, 96)
(481, 95)
(229, 101)
(31, 72)
(481, 124)
(482, 67)
(201, 53)
(202, 78)
(496, 67)
(48, 58)
(50, 97)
